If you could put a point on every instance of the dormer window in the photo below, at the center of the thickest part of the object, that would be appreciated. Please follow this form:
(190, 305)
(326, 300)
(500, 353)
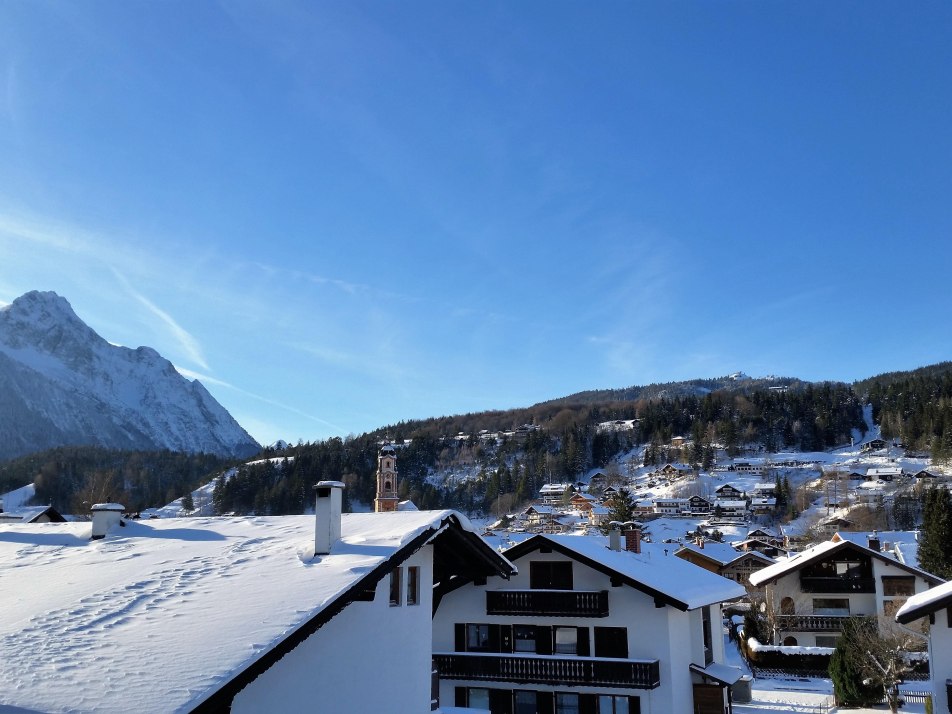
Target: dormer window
(550, 575)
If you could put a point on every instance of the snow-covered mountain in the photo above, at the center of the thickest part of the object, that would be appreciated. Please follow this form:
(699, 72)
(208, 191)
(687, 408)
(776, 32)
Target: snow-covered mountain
(63, 384)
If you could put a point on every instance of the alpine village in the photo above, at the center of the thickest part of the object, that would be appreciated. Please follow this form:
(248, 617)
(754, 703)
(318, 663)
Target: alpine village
(722, 545)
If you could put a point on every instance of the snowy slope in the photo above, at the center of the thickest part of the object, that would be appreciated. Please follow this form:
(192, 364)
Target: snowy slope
(62, 384)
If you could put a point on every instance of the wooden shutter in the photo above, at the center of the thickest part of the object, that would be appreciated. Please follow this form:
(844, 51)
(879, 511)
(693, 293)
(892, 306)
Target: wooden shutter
(500, 701)
(582, 647)
(543, 640)
(460, 637)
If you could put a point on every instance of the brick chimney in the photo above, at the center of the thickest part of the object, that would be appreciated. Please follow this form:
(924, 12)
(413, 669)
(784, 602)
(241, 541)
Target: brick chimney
(105, 516)
(872, 541)
(327, 508)
(632, 535)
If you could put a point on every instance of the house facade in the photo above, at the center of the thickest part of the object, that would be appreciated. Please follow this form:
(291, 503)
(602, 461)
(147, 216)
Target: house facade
(936, 606)
(810, 595)
(585, 628)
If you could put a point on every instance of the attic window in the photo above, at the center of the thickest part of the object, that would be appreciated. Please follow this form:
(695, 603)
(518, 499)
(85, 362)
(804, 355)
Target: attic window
(550, 575)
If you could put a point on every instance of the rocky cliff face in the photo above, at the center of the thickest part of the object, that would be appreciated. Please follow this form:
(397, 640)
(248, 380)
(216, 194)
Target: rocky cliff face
(62, 384)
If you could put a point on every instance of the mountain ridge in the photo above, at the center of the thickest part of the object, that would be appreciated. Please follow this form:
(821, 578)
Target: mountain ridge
(63, 384)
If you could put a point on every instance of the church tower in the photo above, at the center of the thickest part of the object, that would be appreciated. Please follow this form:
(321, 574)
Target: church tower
(387, 498)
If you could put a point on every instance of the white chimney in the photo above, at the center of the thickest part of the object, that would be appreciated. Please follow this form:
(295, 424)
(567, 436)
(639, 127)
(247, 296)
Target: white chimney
(614, 536)
(105, 516)
(327, 510)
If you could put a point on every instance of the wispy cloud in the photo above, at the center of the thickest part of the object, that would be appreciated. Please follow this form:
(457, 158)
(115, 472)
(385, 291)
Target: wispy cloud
(204, 378)
(185, 340)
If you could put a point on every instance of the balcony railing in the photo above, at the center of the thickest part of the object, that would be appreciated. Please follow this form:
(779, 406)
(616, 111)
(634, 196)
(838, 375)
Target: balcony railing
(529, 669)
(837, 585)
(810, 623)
(558, 603)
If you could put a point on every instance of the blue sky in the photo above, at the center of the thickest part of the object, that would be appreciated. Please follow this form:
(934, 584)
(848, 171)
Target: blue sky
(342, 215)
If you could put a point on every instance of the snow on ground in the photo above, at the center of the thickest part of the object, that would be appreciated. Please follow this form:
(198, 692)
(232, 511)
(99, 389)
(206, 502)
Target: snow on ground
(16, 499)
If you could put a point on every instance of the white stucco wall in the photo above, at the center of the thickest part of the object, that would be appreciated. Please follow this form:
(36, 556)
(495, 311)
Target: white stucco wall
(371, 657)
(673, 637)
(940, 659)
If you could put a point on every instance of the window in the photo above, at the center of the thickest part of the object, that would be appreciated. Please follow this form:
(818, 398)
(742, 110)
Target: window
(831, 606)
(566, 640)
(826, 641)
(395, 587)
(610, 704)
(477, 637)
(478, 698)
(706, 633)
(550, 575)
(611, 642)
(524, 638)
(566, 703)
(523, 702)
(899, 585)
(413, 585)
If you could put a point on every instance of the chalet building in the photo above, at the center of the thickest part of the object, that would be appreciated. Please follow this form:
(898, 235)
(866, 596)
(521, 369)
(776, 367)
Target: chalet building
(723, 559)
(750, 466)
(770, 548)
(762, 506)
(540, 515)
(764, 490)
(885, 473)
(582, 502)
(32, 514)
(811, 594)
(643, 508)
(700, 506)
(553, 493)
(873, 445)
(730, 508)
(670, 506)
(935, 607)
(926, 475)
(728, 492)
(588, 628)
(598, 515)
(673, 472)
(870, 493)
(263, 614)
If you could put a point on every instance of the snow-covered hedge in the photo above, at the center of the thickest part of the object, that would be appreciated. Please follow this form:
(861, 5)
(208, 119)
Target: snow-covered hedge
(791, 658)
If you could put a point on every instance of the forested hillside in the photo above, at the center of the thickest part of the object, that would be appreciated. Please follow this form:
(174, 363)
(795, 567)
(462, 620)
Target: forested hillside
(509, 470)
(914, 407)
(447, 462)
(73, 478)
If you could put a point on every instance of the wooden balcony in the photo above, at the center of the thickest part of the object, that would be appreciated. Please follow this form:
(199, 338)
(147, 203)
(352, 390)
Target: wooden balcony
(837, 585)
(548, 603)
(565, 671)
(810, 623)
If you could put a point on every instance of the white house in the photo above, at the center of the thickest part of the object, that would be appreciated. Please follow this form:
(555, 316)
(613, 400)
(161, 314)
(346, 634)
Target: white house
(936, 604)
(811, 594)
(259, 614)
(587, 628)
(885, 473)
(553, 493)
(671, 506)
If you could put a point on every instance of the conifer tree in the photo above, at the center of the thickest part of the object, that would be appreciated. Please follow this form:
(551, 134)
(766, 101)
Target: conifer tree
(934, 552)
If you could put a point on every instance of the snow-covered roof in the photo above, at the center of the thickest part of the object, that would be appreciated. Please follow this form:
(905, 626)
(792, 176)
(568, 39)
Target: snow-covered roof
(817, 552)
(167, 611)
(925, 603)
(721, 553)
(675, 581)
